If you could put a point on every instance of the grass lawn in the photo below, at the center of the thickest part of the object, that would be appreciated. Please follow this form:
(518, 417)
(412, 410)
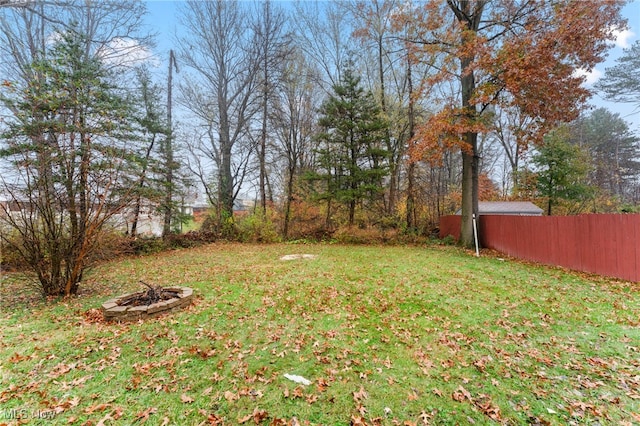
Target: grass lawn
(386, 335)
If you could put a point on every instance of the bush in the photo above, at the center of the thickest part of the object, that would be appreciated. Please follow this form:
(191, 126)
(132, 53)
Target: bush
(256, 228)
(225, 229)
(10, 258)
(307, 222)
(375, 235)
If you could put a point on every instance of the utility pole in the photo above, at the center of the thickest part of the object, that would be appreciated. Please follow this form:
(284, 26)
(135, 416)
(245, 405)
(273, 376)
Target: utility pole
(168, 148)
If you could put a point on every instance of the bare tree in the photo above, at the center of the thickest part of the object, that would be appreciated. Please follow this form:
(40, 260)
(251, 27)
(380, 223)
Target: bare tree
(168, 152)
(293, 117)
(507, 129)
(273, 49)
(323, 32)
(221, 90)
(111, 29)
(374, 22)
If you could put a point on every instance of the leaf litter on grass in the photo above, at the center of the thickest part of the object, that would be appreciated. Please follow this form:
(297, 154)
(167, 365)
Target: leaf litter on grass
(387, 335)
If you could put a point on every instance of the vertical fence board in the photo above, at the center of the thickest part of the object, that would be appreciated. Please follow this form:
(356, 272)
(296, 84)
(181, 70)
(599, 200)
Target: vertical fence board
(636, 238)
(574, 237)
(610, 249)
(450, 225)
(550, 226)
(596, 260)
(631, 231)
(625, 234)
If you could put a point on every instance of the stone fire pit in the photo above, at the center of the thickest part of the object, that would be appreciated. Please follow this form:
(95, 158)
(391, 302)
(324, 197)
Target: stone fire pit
(124, 308)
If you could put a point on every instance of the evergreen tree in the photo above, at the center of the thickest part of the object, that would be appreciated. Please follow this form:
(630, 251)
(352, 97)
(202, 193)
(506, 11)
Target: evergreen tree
(562, 170)
(72, 157)
(352, 158)
(614, 151)
(621, 83)
(150, 186)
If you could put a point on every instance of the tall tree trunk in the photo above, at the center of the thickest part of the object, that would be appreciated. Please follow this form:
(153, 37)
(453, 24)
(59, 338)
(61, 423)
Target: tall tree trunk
(411, 200)
(262, 152)
(141, 182)
(471, 20)
(291, 170)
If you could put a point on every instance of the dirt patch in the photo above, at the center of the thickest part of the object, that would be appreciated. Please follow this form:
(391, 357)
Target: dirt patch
(298, 256)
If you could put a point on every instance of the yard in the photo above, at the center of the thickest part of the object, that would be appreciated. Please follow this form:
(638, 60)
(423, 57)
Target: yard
(386, 335)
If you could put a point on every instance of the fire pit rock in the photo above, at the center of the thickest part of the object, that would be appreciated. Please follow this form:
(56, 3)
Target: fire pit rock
(122, 309)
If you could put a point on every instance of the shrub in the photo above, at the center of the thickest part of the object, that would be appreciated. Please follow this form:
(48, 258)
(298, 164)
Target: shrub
(10, 258)
(256, 228)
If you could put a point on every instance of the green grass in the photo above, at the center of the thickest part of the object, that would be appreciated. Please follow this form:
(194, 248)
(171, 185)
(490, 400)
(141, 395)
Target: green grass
(387, 335)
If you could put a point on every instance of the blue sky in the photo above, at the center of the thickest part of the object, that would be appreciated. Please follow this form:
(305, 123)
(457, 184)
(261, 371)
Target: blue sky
(630, 113)
(162, 19)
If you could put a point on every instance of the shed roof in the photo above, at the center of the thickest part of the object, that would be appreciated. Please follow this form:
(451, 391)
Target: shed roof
(522, 208)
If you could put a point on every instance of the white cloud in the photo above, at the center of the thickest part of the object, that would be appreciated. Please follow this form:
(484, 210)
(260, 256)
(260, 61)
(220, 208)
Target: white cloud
(623, 37)
(118, 52)
(591, 76)
(124, 51)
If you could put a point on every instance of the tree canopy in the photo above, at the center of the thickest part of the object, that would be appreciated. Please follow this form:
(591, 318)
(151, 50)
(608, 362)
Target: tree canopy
(521, 55)
(352, 154)
(398, 112)
(621, 83)
(562, 170)
(70, 142)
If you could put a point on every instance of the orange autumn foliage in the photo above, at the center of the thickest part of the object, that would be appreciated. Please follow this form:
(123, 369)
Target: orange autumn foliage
(522, 55)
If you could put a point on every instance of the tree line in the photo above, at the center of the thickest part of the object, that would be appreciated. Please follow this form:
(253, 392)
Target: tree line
(381, 114)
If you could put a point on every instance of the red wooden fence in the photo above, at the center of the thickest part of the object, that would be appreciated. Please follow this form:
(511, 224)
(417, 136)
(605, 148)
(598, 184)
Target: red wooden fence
(607, 244)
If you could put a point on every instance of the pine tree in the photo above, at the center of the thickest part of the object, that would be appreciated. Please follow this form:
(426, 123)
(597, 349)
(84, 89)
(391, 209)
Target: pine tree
(72, 154)
(562, 170)
(352, 158)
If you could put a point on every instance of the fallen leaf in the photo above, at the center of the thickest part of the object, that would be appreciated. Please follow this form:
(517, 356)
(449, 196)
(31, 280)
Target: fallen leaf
(230, 396)
(116, 413)
(212, 419)
(361, 409)
(103, 420)
(425, 418)
(361, 395)
(258, 416)
(98, 407)
(387, 363)
(245, 419)
(358, 421)
(488, 408)
(144, 415)
(322, 384)
(186, 399)
(17, 358)
(298, 392)
(461, 394)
